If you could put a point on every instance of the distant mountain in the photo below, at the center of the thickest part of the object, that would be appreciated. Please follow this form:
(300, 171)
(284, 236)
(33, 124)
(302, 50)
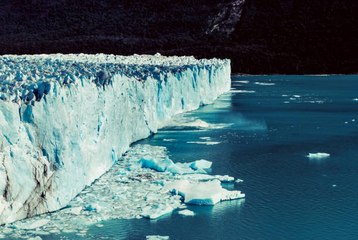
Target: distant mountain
(260, 36)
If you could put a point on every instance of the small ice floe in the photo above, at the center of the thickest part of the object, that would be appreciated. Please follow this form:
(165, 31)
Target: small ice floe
(156, 211)
(239, 180)
(241, 91)
(169, 140)
(355, 99)
(187, 123)
(205, 138)
(296, 96)
(284, 95)
(204, 143)
(202, 193)
(205, 177)
(286, 102)
(186, 212)
(353, 120)
(334, 185)
(264, 83)
(319, 155)
(156, 237)
(167, 165)
(35, 238)
(225, 178)
(243, 82)
(200, 164)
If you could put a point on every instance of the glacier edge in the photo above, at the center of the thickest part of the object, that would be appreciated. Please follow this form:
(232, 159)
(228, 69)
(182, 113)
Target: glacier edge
(52, 149)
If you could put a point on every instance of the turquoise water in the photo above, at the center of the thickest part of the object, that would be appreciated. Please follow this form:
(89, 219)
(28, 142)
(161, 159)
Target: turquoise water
(288, 196)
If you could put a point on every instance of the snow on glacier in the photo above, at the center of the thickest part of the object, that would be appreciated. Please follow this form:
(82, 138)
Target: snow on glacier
(65, 119)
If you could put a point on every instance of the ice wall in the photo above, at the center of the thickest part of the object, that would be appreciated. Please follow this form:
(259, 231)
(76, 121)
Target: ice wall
(65, 119)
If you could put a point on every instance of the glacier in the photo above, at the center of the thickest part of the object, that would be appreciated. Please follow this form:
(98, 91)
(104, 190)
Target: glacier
(66, 119)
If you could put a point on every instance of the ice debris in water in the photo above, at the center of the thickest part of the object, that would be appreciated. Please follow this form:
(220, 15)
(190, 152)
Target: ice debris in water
(157, 237)
(186, 212)
(183, 122)
(202, 193)
(200, 164)
(244, 82)
(264, 83)
(318, 155)
(241, 91)
(128, 191)
(204, 143)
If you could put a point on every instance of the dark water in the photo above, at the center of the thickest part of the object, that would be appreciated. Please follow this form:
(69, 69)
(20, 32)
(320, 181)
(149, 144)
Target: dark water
(288, 196)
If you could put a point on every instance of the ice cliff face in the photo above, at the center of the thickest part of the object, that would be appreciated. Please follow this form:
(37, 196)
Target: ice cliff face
(65, 119)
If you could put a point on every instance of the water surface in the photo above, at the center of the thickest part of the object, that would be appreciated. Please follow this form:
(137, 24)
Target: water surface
(276, 122)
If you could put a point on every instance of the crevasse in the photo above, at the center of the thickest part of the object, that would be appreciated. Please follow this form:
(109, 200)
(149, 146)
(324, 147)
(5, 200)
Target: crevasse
(65, 119)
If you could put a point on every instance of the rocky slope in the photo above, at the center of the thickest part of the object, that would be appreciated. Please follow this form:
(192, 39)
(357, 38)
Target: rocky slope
(278, 36)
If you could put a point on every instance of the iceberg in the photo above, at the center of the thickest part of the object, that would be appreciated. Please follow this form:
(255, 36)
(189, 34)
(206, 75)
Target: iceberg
(202, 193)
(156, 237)
(154, 212)
(200, 164)
(66, 119)
(319, 155)
(186, 212)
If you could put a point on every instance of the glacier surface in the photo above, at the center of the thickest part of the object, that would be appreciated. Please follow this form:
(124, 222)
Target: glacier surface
(65, 119)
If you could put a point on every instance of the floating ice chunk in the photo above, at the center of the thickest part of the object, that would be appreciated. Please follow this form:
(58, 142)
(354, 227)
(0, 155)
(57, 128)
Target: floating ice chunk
(159, 165)
(35, 238)
(205, 138)
(165, 165)
(355, 99)
(156, 211)
(318, 155)
(27, 225)
(186, 212)
(296, 96)
(334, 185)
(225, 178)
(204, 143)
(244, 82)
(206, 177)
(157, 237)
(239, 180)
(200, 164)
(264, 83)
(241, 91)
(169, 140)
(188, 123)
(202, 193)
